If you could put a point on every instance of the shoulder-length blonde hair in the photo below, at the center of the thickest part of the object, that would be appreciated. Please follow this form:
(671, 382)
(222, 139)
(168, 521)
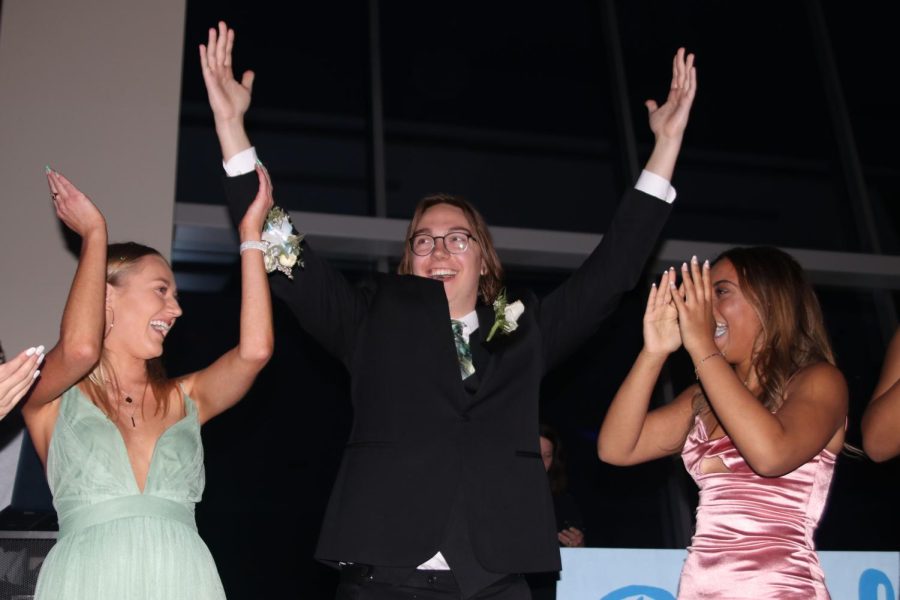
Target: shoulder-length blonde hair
(121, 259)
(492, 280)
(793, 332)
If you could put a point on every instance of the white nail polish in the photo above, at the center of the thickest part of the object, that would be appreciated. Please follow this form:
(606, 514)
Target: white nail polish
(694, 259)
(30, 351)
(36, 373)
(41, 358)
(39, 349)
(684, 266)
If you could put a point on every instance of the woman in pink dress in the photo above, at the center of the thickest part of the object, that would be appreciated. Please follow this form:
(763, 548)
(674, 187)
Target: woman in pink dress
(758, 432)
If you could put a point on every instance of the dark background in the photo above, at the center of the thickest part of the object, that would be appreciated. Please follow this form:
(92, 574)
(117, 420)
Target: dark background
(512, 105)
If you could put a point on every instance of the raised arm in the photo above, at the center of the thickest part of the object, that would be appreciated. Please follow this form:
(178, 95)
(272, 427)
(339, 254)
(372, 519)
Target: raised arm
(810, 418)
(881, 421)
(629, 434)
(325, 304)
(81, 331)
(221, 385)
(573, 311)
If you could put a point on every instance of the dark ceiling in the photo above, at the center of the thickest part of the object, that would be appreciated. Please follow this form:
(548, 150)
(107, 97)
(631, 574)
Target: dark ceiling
(541, 67)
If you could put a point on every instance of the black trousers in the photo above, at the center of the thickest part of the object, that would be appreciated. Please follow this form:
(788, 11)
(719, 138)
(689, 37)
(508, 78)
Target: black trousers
(361, 582)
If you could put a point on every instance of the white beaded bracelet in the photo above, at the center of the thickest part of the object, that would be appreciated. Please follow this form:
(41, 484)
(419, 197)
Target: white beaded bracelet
(262, 246)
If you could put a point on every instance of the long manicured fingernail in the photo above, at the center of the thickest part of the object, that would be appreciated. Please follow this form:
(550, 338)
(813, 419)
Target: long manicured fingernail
(694, 259)
(684, 266)
(30, 351)
(47, 169)
(706, 264)
(653, 285)
(36, 373)
(39, 349)
(41, 358)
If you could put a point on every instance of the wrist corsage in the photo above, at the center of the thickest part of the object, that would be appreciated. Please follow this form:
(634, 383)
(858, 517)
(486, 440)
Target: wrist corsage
(506, 316)
(283, 250)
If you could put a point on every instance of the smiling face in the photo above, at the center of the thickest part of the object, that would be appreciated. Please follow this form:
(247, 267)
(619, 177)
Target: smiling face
(144, 305)
(738, 326)
(460, 273)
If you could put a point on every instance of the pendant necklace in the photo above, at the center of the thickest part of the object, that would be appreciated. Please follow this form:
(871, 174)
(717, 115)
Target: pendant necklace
(130, 402)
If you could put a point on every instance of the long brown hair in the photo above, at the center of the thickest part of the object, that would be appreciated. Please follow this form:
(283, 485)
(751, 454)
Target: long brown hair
(491, 282)
(121, 259)
(793, 334)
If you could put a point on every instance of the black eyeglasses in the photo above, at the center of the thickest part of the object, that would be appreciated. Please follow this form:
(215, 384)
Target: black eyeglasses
(456, 242)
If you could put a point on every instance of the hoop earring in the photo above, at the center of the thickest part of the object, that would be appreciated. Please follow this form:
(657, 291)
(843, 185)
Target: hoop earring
(111, 322)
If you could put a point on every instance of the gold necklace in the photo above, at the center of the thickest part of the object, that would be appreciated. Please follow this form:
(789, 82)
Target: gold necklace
(130, 402)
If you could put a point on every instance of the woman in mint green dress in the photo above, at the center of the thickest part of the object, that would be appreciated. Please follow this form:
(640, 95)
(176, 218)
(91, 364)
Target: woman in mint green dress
(120, 442)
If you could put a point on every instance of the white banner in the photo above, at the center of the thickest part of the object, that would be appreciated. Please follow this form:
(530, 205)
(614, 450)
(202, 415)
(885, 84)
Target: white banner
(632, 574)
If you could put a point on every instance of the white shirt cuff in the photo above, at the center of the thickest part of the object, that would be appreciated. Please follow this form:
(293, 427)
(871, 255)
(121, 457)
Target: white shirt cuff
(243, 162)
(653, 184)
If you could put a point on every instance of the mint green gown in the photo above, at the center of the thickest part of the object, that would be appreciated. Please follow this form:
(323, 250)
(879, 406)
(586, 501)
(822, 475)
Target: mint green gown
(114, 541)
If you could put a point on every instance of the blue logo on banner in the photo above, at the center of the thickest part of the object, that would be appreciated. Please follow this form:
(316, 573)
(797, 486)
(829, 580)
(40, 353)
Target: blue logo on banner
(639, 592)
(871, 582)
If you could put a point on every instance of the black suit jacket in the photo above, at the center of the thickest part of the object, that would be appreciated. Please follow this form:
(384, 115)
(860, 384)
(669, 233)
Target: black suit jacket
(420, 441)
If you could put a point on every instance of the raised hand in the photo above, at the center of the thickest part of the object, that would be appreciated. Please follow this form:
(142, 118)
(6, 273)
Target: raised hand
(252, 223)
(228, 97)
(17, 376)
(695, 308)
(74, 208)
(670, 119)
(661, 333)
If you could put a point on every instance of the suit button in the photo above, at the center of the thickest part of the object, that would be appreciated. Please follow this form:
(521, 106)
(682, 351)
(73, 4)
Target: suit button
(431, 579)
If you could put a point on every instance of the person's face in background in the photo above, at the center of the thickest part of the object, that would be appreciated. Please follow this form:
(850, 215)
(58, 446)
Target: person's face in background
(547, 453)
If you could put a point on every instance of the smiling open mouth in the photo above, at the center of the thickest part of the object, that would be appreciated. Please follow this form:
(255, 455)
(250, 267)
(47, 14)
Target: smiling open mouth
(721, 329)
(160, 326)
(442, 274)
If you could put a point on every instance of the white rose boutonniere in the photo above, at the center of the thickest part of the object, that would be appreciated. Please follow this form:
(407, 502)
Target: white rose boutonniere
(506, 315)
(283, 250)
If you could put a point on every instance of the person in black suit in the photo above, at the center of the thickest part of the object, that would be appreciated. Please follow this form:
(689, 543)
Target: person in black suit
(441, 491)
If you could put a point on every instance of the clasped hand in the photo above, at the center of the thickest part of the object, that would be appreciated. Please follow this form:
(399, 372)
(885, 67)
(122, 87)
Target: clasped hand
(677, 315)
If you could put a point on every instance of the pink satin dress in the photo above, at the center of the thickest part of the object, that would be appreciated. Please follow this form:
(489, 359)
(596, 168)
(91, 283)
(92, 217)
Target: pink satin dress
(754, 535)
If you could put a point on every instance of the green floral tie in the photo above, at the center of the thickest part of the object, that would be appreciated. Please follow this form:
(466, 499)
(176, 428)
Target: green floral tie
(463, 351)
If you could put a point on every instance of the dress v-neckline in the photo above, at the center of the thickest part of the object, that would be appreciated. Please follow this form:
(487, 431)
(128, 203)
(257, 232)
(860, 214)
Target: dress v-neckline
(124, 447)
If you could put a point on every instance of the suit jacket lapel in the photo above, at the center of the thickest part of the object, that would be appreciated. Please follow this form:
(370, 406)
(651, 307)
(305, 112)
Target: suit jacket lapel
(482, 352)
